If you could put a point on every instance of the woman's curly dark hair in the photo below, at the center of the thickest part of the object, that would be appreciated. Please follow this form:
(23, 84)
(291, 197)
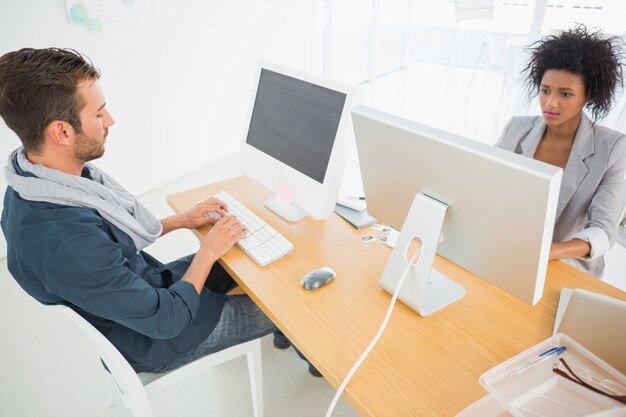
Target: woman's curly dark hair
(580, 51)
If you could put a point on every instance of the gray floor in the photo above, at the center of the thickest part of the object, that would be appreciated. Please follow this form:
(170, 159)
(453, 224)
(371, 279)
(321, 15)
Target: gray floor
(46, 372)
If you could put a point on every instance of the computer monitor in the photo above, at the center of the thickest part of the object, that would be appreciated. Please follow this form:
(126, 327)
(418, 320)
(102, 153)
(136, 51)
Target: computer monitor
(298, 140)
(500, 206)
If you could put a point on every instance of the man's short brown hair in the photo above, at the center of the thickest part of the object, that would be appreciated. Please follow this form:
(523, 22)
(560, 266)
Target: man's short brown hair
(38, 86)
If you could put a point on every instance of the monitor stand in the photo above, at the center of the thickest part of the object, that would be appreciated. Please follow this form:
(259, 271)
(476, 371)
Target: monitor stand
(425, 290)
(288, 212)
(281, 203)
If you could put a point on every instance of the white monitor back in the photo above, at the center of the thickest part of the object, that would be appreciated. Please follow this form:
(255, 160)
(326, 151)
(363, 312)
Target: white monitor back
(316, 197)
(502, 205)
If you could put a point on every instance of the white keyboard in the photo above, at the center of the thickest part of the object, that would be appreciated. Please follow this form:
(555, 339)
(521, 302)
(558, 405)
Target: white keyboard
(262, 243)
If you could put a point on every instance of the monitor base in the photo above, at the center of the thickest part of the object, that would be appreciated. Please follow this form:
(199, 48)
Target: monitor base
(290, 213)
(440, 292)
(425, 290)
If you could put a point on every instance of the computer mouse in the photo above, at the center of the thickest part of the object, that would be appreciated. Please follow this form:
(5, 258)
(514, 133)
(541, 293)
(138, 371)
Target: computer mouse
(317, 278)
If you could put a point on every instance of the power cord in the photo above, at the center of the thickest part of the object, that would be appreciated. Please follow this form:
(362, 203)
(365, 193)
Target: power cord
(369, 347)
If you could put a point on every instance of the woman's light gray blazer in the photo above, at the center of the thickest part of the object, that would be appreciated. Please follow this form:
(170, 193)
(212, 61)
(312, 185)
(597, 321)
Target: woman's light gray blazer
(590, 197)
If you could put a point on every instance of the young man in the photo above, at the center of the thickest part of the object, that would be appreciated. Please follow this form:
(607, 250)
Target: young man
(75, 236)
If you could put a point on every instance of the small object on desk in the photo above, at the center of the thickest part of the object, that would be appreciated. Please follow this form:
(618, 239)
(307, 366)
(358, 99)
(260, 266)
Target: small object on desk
(390, 238)
(358, 219)
(317, 278)
(555, 351)
(352, 202)
(382, 227)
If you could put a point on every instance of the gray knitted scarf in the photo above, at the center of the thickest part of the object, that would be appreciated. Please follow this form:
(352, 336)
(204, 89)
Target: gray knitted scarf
(103, 194)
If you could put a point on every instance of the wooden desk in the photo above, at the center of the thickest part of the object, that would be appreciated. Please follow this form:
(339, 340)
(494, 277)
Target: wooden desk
(420, 366)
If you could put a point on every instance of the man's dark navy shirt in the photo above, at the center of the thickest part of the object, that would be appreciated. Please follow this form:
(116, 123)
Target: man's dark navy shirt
(72, 256)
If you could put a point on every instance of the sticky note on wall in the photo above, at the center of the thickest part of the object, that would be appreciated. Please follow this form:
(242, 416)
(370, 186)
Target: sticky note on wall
(94, 25)
(79, 13)
(94, 13)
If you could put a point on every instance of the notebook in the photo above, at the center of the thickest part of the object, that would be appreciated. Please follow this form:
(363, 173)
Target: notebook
(596, 321)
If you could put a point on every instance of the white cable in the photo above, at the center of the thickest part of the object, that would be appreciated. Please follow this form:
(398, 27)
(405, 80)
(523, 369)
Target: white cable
(369, 347)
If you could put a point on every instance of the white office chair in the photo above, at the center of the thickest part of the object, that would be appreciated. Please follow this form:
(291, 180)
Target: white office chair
(514, 98)
(465, 10)
(621, 223)
(135, 389)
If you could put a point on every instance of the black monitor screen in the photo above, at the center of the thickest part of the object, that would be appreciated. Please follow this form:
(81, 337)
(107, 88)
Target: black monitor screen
(295, 122)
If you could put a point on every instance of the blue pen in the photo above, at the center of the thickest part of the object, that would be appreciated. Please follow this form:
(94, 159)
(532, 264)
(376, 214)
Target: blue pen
(555, 351)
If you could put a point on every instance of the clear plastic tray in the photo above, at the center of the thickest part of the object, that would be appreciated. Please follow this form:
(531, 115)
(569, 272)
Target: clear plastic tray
(485, 407)
(538, 391)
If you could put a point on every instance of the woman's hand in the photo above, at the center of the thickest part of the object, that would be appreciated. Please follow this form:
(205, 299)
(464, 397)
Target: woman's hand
(575, 248)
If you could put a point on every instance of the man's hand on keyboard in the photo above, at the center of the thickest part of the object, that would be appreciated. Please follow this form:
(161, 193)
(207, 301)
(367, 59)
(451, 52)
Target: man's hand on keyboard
(263, 243)
(224, 235)
(204, 212)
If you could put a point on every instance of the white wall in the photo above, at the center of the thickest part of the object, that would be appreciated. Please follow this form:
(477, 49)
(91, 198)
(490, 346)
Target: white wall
(178, 85)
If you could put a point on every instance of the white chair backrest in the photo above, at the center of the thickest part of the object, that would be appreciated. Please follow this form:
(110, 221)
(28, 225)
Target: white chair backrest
(128, 384)
(135, 390)
(622, 215)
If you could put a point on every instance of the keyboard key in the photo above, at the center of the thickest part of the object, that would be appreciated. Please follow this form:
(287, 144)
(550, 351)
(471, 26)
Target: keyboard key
(249, 243)
(266, 233)
(261, 255)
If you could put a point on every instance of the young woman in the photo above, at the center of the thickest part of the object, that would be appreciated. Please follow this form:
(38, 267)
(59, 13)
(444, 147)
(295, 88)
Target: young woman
(575, 70)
